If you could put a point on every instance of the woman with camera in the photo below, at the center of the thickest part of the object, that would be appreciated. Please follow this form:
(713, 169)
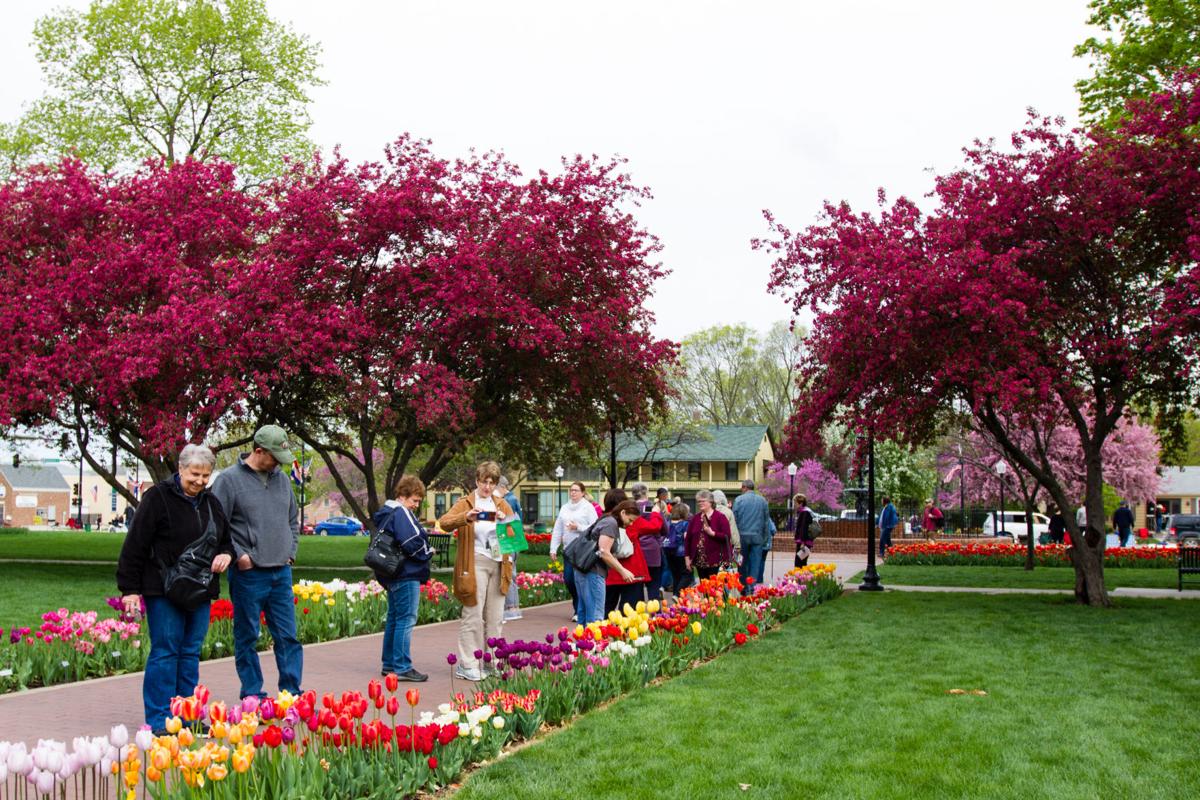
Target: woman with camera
(482, 573)
(178, 522)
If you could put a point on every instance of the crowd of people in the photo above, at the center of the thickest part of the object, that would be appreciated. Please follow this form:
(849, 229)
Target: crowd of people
(186, 534)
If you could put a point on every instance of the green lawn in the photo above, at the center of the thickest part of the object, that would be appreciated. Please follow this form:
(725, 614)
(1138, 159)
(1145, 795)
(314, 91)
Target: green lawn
(1017, 577)
(850, 700)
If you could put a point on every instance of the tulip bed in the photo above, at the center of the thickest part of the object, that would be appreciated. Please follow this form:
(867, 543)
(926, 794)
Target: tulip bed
(376, 746)
(996, 554)
(72, 646)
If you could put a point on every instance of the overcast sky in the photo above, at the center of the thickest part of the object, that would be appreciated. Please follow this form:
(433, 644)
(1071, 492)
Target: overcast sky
(722, 108)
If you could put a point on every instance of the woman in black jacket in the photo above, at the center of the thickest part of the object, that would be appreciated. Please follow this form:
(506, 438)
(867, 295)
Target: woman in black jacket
(175, 517)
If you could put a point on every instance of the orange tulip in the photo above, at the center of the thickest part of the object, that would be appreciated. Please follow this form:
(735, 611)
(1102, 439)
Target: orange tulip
(413, 697)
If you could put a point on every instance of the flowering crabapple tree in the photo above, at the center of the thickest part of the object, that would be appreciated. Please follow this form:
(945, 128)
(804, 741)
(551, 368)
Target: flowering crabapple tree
(127, 303)
(1053, 277)
(423, 303)
(813, 480)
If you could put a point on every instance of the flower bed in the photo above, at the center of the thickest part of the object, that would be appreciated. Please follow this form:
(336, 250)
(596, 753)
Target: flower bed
(72, 646)
(376, 745)
(539, 544)
(996, 554)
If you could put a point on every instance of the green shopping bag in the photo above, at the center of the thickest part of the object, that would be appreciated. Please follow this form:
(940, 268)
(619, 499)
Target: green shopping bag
(511, 534)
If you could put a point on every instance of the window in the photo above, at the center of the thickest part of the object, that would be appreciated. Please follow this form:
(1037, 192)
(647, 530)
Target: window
(529, 507)
(546, 508)
(455, 497)
(658, 470)
(731, 470)
(693, 470)
(439, 505)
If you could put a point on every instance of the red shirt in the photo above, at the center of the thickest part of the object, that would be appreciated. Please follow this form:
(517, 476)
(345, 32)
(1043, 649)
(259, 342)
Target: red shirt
(636, 564)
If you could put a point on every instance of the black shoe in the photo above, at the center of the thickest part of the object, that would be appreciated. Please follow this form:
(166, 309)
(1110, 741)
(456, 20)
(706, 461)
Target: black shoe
(413, 676)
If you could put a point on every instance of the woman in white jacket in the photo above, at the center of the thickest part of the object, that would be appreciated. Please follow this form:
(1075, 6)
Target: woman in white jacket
(575, 517)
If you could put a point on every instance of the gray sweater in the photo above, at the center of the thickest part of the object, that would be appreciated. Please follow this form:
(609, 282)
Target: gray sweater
(264, 520)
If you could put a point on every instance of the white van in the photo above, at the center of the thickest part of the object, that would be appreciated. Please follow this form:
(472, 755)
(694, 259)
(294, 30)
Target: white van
(1014, 525)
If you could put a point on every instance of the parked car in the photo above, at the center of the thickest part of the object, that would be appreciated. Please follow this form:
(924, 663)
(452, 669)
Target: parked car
(1183, 529)
(851, 514)
(1014, 526)
(819, 517)
(339, 526)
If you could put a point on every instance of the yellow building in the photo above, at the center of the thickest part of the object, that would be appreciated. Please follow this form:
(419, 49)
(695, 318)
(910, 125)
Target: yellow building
(721, 458)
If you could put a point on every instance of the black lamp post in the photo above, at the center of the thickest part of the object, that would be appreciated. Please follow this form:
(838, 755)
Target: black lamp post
(791, 470)
(962, 492)
(871, 577)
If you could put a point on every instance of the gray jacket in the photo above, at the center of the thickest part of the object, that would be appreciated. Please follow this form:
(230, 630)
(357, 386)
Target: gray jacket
(753, 517)
(264, 521)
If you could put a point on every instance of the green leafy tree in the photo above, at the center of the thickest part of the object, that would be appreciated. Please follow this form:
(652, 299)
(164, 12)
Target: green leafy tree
(137, 79)
(1146, 42)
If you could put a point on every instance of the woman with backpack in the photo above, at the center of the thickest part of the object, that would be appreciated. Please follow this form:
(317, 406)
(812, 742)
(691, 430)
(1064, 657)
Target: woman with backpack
(619, 514)
(574, 518)
(398, 519)
(675, 548)
(178, 523)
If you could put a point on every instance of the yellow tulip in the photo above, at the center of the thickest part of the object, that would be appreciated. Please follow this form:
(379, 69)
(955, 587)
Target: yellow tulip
(632, 633)
(628, 609)
(219, 730)
(285, 700)
(653, 606)
(235, 735)
(174, 724)
(160, 758)
(643, 627)
(331, 602)
(186, 737)
(131, 795)
(131, 779)
(217, 772)
(241, 760)
(578, 631)
(641, 606)
(696, 628)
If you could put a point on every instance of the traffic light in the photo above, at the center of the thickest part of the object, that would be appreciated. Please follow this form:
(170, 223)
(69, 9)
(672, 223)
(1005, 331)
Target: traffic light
(75, 489)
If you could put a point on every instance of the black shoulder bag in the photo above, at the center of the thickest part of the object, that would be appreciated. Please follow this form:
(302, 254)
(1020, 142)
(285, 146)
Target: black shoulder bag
(584, 551)
(186, 583)
(384, 555)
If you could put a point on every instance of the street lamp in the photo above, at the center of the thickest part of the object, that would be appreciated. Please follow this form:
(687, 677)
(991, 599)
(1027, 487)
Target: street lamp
(1001, 470)
(558, 473)
(962, 492)
(871, 577)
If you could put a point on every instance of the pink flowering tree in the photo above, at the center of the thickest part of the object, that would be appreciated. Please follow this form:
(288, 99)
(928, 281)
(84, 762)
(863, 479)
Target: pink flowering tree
(127, 305)
(818, 484)
(1054, 277)
(424, 304)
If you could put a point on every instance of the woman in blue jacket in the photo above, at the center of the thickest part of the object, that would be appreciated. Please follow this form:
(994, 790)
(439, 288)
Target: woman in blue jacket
(398, 518)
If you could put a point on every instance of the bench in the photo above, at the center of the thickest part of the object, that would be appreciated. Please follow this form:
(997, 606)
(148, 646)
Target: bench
(441, 543)
(1189, 563)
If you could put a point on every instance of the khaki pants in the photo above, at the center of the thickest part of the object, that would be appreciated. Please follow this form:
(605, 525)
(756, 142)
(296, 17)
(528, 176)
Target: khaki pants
(481, 621)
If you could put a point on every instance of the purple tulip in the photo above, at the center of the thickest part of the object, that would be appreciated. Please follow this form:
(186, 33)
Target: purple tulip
(250, 704)
(478, 654)
(563, 634)
(289, 734)
(549, 638)
(491, 642)
(487, 658)
(451, 659)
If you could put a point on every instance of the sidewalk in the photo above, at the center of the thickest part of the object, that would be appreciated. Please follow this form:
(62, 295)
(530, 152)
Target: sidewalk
(90, 708)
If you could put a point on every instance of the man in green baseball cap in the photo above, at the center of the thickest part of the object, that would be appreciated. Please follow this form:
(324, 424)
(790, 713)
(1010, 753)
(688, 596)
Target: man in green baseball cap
(264, 523)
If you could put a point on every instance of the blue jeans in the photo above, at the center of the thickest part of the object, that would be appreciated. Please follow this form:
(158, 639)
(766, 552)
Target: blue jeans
(253, 591)
(569, 580)
(590, 586)
(754, 556)
(403, 597)
(173, 667)
(885, 541)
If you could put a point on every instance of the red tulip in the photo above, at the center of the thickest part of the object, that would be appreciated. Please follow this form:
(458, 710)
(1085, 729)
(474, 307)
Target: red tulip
(201, 693)
(374, 688)
(413, 696)
(273, 736)
(393, 706)
(392, 681)
(433, 762)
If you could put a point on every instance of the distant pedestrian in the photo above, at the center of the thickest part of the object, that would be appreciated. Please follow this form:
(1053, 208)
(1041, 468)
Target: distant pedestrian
(889, 518)
(1158, 518)
(512, 600)
(650, 528)
(931, 519)
(264, 521)
(1123, 522)
(176, 517)
(397, 519)
(803, 524)
(1058, 525)
(735, 536)
(1081, 519)
(574, 518)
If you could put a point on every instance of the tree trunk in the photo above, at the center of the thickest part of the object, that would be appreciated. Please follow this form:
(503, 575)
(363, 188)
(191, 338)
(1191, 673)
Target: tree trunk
(1087, 550)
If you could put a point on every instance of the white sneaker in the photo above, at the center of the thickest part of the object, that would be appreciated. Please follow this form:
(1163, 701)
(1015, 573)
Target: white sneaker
(511, 615)
(574, 618)
(467, 674)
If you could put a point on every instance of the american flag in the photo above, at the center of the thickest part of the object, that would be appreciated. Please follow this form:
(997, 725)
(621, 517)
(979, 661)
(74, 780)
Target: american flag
(297, 473)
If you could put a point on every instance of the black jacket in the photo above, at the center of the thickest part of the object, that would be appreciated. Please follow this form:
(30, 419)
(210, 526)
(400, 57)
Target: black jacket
(164, 525)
